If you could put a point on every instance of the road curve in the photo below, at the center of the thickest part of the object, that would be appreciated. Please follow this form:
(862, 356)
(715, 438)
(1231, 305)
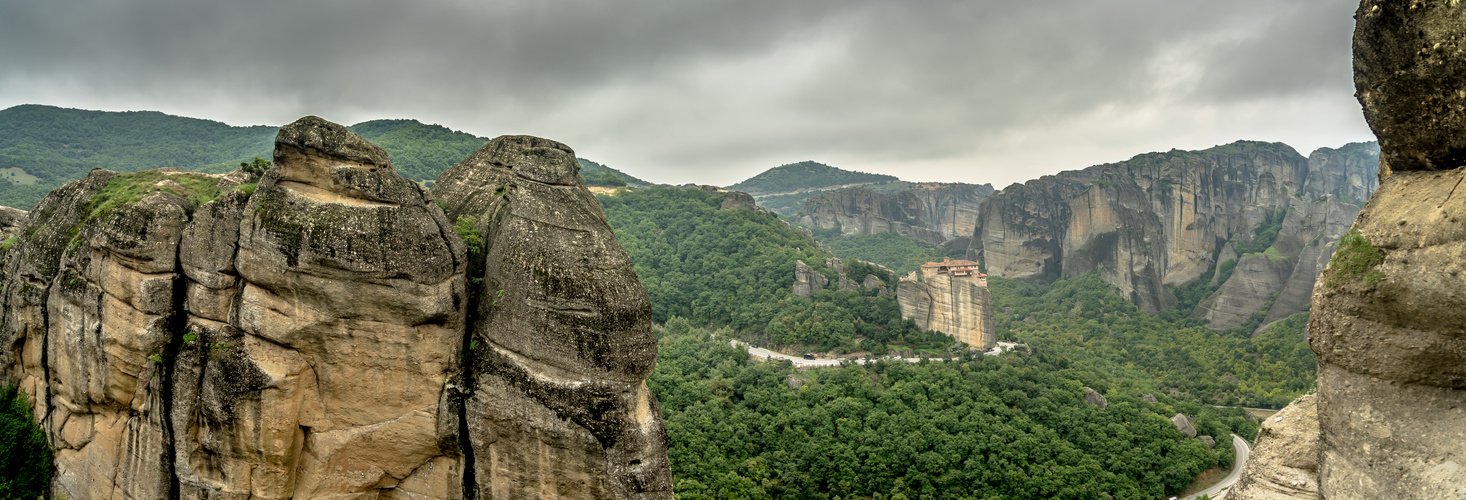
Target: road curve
(800, 362)
(1243, 450)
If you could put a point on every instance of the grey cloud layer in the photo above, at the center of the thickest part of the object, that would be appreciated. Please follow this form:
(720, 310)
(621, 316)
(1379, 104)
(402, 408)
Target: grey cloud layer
(685, 90)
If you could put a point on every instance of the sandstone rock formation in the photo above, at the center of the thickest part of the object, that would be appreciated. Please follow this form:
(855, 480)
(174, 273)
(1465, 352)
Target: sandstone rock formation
(807, 280)
(1284, 460)
(957, 304)
(561, 343)
(1388, 318)
(306, 339)
(930, 212)
(1161, 219)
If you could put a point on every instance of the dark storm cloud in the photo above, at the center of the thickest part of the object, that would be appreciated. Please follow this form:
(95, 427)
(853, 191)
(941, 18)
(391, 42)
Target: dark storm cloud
(704, 91)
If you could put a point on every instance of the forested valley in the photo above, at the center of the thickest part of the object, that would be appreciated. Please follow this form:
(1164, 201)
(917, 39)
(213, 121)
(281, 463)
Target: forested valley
(1010, 426)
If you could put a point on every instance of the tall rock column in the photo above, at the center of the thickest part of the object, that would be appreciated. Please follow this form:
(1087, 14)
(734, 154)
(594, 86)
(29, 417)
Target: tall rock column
(347, 323)
(959, 306)
(556, 402)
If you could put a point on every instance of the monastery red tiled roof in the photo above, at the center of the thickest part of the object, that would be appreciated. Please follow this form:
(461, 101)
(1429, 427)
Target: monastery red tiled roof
(951, 263)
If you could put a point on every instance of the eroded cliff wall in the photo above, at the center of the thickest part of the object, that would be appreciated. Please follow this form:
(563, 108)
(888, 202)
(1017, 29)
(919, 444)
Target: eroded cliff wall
(931, 212)
(1161, 219)
(186, 336)
(957, 306)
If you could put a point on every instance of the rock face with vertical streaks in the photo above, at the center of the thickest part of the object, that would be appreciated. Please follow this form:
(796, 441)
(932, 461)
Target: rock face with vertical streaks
(931, 212)
(1160, 220)
(561, 344)
(324, 333)
(954, 303)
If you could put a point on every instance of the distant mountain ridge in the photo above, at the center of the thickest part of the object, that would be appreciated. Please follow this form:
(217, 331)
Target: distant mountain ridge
(805, 176)
(43, 147)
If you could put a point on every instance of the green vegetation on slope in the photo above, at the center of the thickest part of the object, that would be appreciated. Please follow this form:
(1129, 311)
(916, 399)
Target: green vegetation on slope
(596, 174)
(900, 253)
(420, 152)
(1010, 427)
(1086, 320)
(804, 175)
(43, 147)
(736, 268)
(55, 146)
(25, 456)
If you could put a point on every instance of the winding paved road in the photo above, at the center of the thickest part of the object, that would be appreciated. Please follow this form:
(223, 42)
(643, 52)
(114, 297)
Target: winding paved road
(819, 363)
(1243, 450)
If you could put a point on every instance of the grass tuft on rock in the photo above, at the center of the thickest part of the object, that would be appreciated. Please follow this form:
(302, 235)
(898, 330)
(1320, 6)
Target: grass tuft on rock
(1355, 262)
(126, 189)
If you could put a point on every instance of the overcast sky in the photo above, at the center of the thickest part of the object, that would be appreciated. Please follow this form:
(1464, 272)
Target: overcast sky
(715, 91)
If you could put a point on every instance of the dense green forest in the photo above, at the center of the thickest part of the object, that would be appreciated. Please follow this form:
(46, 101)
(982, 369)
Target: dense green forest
(1012, 427)
(420, 152)
(25, 456)
(1086, 320)
(804, 175)
(43, 147)
(736, 268)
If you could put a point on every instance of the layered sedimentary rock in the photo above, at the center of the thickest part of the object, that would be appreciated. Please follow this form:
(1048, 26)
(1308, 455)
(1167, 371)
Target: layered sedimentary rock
(1389, 318)
(1156, 220)
(301, 339)
(1284, 460)
(931, 212)
(959, 306)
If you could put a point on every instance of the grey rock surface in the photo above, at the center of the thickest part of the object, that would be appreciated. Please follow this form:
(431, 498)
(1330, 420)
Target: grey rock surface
(807, 280)
(1210, 443)
(1388, 321)
(563, 333)
(1184, 424)
(1095, 398)
(1407, 72)
(934, 213)
(738, 200)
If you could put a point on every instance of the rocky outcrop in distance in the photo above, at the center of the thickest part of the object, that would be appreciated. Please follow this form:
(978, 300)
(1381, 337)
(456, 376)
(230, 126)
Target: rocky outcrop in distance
(930, 212)
(1388, 318)
(957, 304)
(1161, 219)
(326, 332)
(1279, 281)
